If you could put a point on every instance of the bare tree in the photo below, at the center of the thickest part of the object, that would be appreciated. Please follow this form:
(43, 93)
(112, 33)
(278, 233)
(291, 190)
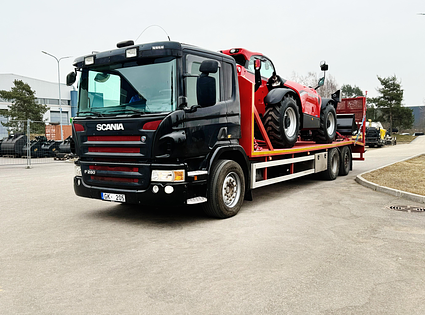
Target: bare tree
(311, 80)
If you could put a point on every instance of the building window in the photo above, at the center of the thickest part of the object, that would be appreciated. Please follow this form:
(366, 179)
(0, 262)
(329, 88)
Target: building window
(55, 117)
(52, 101)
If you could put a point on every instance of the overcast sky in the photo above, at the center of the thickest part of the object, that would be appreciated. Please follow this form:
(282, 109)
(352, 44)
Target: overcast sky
(360, 40)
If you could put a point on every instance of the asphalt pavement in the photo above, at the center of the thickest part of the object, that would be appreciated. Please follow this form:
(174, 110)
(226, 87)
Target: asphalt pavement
(305, 246)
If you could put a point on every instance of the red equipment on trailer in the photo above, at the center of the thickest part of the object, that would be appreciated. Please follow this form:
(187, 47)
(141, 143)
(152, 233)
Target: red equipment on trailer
(263, 156)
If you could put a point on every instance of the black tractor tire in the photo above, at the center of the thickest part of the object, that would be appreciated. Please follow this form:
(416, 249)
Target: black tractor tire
(345, 163)
(328, 125)
(226, 190)
(282, 122)
(333, 165)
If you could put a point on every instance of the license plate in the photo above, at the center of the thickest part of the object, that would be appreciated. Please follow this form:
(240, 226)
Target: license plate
(113, 197)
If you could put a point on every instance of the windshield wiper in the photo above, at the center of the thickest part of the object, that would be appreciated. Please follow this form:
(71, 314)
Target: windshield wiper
(90, 114)
(126, 110)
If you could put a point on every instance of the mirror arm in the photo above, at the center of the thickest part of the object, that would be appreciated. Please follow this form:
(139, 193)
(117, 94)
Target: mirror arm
(192, 108)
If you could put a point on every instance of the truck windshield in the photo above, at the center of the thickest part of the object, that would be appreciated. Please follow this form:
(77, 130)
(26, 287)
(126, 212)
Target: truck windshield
(128, 89)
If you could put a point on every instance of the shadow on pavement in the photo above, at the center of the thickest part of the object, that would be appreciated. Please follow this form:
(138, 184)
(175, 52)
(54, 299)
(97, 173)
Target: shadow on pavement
(135, 214)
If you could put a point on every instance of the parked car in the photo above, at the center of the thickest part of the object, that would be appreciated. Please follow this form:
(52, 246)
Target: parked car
(418, 134)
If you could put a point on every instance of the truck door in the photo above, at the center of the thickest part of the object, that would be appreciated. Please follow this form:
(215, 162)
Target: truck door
(205, 123)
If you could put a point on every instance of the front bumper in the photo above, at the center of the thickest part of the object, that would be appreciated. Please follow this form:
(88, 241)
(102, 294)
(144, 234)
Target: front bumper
(178, 196)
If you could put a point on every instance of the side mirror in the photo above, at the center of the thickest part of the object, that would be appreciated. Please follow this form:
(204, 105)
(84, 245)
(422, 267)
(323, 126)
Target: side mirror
(205, 85)
(71, 78)
(257, 64)
(321, 82)
(206, 90)
(209, 66)
(257, 68)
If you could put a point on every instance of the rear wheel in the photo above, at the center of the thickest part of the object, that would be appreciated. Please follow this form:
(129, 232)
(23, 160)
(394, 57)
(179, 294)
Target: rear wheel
(226, 190)
(345, 162)
(333, 165)
(328, 123)
(281, 122)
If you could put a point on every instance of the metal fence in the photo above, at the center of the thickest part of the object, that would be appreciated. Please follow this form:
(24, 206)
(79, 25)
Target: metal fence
(26, 148)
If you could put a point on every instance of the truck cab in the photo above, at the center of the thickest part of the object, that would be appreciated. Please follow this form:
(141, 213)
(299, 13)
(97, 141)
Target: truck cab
(149, 119)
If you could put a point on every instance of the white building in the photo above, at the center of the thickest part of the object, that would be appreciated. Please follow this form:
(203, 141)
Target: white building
(46, 93)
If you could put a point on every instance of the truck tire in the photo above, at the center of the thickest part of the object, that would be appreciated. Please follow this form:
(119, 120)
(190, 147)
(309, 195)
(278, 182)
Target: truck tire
(345, 163)
(328, 124)
(226, 190)
(333, 165)
(282, 122)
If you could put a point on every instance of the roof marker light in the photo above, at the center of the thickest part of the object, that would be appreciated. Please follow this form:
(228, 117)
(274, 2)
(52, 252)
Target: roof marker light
(131, 53)
(89, 60)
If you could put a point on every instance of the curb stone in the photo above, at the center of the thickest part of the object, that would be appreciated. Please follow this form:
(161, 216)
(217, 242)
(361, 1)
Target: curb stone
(387, 190)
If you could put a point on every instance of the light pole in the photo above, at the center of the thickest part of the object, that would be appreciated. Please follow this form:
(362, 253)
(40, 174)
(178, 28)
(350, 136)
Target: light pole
(59, 84)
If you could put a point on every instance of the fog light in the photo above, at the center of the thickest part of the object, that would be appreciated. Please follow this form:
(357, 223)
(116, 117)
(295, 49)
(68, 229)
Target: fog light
(155, 189)
(168, 189)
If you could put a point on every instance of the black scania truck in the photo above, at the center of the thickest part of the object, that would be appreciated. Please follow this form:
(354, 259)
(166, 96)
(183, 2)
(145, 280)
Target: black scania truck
(169, 123)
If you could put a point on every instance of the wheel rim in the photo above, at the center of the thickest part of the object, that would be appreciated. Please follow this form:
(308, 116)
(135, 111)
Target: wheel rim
(231, 189)
(290, 122)
(331, 124)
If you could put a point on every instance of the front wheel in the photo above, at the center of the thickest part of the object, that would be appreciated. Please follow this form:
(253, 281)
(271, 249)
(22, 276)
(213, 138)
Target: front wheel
(328, 125)
(281, 122)
(226, 190)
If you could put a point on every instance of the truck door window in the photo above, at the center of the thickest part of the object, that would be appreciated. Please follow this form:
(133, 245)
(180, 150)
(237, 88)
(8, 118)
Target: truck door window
(228, 81)
(192, 66)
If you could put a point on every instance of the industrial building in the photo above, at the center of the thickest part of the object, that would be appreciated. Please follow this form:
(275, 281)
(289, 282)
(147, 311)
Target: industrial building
(46, 93)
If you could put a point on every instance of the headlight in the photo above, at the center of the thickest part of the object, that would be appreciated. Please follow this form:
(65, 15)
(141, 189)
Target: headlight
(77, 170)
(167, 176)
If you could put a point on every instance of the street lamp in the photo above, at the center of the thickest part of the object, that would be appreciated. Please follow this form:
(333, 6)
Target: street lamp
(59, 84)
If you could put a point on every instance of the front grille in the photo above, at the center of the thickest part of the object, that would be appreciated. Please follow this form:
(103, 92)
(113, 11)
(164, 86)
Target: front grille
(114, 179)
(113, 138)
(114, 149)
(116, 174)
(116, 161)
(113, 168)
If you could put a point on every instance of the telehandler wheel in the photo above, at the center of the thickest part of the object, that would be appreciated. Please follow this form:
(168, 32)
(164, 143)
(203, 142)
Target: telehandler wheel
(333, 165)
(345, 163)
(282, 123)
(328, 123)
(226, 190)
